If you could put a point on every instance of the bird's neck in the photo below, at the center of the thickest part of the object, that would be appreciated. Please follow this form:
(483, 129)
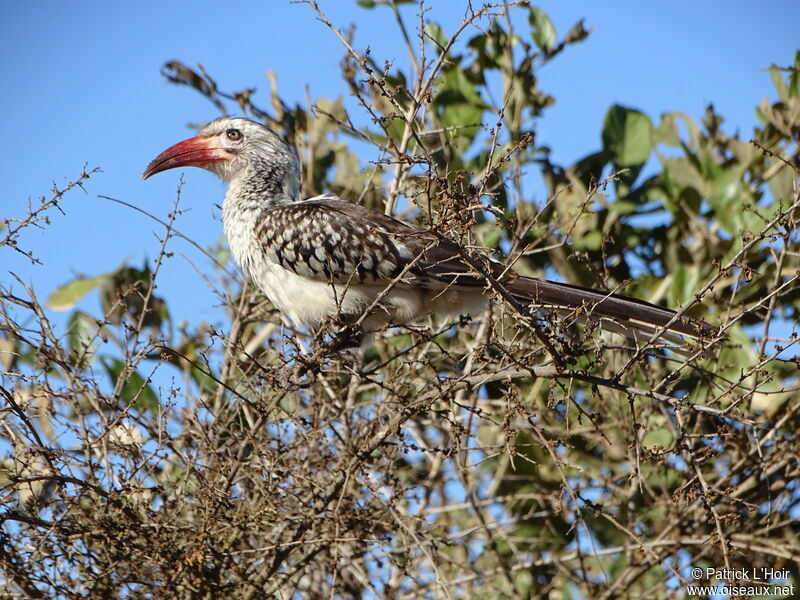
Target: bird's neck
(263, 185)
(239, 218)
(267, 181)
(258, 189)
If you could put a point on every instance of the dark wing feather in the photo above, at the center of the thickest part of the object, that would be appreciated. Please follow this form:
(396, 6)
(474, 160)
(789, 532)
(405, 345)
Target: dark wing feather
(336, 241)
(332, 240)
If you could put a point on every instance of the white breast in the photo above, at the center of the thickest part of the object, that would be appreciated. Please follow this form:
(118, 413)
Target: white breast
(307, 303)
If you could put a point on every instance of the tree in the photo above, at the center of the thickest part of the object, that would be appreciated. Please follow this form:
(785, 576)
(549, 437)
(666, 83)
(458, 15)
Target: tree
(507, 455)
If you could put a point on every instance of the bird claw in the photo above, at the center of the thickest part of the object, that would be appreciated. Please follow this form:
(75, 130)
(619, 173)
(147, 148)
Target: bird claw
(345, 337)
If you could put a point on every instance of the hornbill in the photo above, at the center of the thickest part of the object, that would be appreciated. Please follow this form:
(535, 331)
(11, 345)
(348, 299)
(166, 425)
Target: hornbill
(324, 257)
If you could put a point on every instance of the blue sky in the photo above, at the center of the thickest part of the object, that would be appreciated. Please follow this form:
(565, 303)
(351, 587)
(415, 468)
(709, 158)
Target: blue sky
(83, 87)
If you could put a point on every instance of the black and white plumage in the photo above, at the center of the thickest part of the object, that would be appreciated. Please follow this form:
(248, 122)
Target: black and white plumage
(323, 257)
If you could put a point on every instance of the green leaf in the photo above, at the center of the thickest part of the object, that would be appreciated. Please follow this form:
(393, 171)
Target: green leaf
(729, 198)
(69, 294)
(366, 3)
(576, 33)
(543, 34)
(135, 391)
(434, 32)
(123, 294)
(794, 77)
(202, 379)
(460, 108)
(659, 437)
(488, 234)
(780, 85)
(466, 118)
(781, 184)
(81, 332)
(623, 207)
(667, 131)
(628, 134)
(590, 168)
(591, 241)
(685, 283)
(458, 88)
(680, 174)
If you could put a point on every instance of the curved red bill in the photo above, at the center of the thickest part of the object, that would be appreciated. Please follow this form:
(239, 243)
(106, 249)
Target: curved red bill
(193, 152)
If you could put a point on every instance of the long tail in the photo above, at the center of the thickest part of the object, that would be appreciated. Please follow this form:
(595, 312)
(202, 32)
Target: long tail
(627, 316)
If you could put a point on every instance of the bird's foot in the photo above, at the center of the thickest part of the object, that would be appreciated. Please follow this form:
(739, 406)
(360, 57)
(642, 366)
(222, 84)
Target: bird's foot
(335, 336)
(344, 338)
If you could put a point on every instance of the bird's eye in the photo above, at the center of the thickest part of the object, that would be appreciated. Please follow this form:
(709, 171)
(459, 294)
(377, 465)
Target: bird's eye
(234, 135)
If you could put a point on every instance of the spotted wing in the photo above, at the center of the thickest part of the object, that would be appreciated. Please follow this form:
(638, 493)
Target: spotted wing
(333, 240)
(322, 240)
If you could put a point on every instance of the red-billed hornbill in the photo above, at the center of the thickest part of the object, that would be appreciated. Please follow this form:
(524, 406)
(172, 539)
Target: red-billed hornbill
(324, 257)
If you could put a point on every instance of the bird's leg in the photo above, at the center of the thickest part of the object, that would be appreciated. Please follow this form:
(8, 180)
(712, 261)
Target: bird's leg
(341, 335)
(332, 337)
(346, 337)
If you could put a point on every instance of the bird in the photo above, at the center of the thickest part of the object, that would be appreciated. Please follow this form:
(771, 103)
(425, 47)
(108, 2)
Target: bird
(324, 259)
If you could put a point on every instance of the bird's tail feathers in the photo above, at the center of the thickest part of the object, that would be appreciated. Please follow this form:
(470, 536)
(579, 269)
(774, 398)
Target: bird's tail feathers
(635, 319)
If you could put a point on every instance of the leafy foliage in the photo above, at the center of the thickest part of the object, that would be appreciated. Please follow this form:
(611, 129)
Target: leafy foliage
(497, 456)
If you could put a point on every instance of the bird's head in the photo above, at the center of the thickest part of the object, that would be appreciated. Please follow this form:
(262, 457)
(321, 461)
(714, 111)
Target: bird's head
(233, 148)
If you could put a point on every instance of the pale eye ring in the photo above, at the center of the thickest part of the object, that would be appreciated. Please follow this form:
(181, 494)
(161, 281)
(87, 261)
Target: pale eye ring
(234, 135)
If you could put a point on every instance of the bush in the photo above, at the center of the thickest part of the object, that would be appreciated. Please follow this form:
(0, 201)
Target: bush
(454, 458)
